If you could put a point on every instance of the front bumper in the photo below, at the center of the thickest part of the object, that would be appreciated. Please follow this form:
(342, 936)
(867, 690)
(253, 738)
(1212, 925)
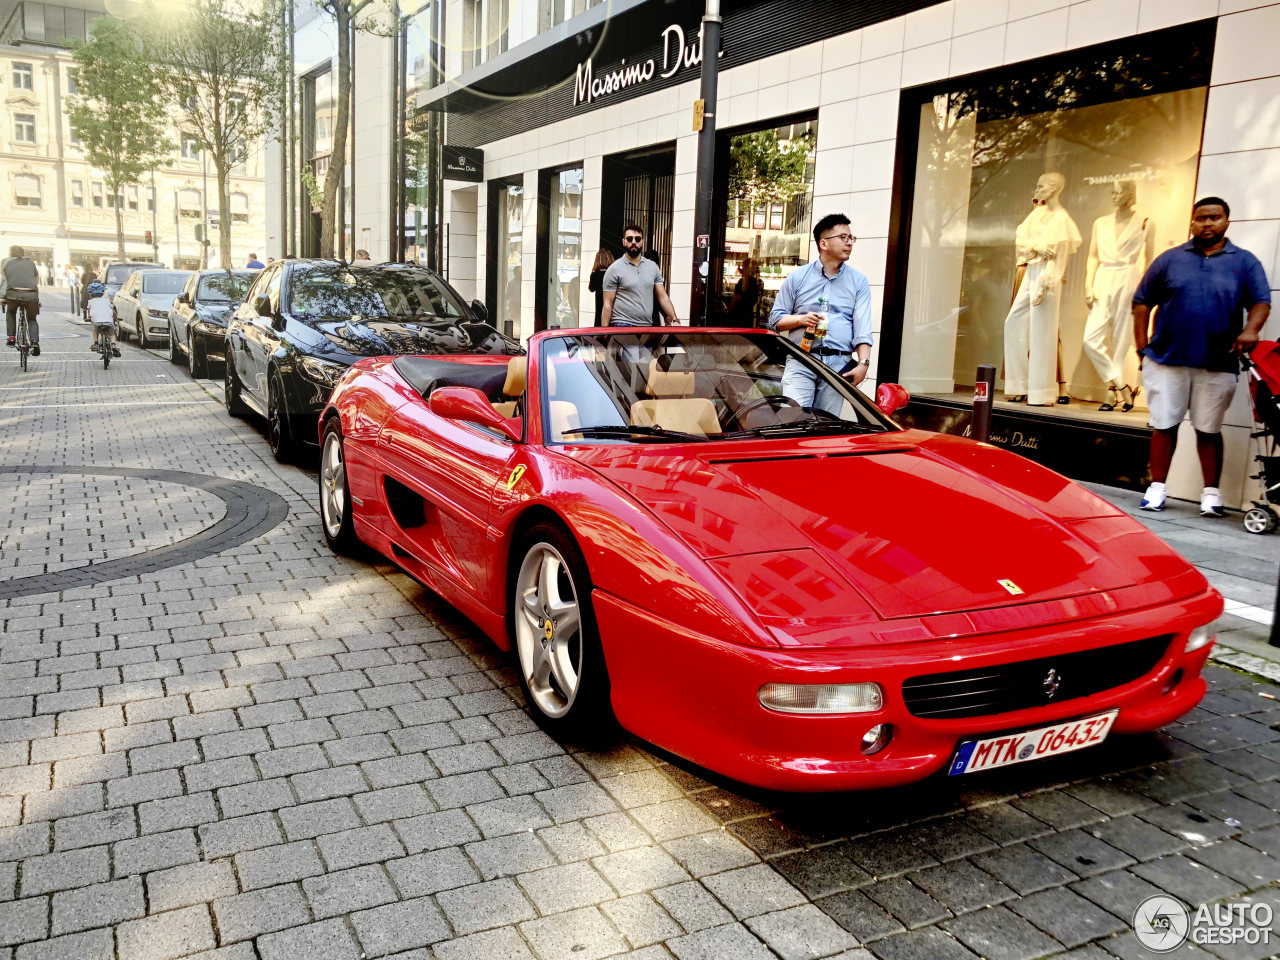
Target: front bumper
(696, 696)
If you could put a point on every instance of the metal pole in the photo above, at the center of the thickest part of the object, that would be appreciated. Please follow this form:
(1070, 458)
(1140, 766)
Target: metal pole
(204, 212)
(351, 144)
(155, 211)
(701, 298)
(402, 185)
(397, 136)
(285, 69)
(984, 392)
(177, 230)
(291, 247)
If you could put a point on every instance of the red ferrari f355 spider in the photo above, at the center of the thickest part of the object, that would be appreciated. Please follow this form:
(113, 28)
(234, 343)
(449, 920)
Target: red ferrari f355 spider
(798, 597)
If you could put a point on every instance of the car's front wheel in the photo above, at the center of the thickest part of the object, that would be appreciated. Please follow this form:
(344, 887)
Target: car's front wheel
(561, 664)
(142, 331)
(231, 390)
(335, 498)
(197, 363)
(175, 355)
(279, 427)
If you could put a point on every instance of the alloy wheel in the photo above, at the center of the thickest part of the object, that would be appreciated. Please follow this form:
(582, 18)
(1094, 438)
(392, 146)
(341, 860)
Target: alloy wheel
(548, 629)
(333, 485)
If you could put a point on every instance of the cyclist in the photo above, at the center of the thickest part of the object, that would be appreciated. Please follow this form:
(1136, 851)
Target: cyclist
(99, 311)
(21, 289)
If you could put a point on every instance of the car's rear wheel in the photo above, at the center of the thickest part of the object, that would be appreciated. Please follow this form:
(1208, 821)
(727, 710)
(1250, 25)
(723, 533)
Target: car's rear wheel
(122, 332)
(175, 355)
(197, 363)
(142, 331)
(335, 499)
(561, 664)
(231, 390)
(279, 428)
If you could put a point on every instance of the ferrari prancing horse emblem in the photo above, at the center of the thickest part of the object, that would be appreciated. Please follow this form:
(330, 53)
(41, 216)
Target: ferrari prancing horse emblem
(516, 474)
(1051, 683)
(1013, 588)
(548, 629)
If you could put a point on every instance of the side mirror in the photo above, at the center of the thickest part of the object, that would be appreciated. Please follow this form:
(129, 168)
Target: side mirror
(262, 304)
(480, 311)
(469, 405)
(891, 397)
(184, 297)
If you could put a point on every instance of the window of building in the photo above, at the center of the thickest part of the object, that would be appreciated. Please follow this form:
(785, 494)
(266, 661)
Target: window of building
(507, 246)
(131, 193)
(73, 83)
(26, 190)
(189, 204)
(96, 194)
(564, 244)
(24, 127)
(190, 147)
(24, 76)
(151, 199)
(473, 31)
(235, 104)
(239, 208)
(77, 193)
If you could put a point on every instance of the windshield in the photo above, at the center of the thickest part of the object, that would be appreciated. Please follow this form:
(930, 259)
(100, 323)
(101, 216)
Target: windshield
(689, 385)
(158, 282)
(120, 273)
(342, 293)
(224, 287)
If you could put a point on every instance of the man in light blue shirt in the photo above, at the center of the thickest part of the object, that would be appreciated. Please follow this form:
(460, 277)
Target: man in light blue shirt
(827, 285)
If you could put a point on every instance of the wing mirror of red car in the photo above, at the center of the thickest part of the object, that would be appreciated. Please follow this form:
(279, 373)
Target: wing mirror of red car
(891, 397)
(469, 405)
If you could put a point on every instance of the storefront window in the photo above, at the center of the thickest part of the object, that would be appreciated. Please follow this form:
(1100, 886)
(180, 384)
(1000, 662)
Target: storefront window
(768, 217)
(1039, 198)
(510, 244)
(564, 246)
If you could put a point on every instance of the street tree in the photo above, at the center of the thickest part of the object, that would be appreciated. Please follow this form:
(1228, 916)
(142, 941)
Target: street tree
(118, 112)
(220, 62)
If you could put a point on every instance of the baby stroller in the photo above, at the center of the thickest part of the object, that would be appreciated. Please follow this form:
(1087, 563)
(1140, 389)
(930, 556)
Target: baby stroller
(1263, 370)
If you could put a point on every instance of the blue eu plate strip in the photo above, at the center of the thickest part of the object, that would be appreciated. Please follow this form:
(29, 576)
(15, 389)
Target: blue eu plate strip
(962, 758)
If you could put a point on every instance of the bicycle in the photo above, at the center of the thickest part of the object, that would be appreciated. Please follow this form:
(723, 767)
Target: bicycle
(103, 346)
(23, 335)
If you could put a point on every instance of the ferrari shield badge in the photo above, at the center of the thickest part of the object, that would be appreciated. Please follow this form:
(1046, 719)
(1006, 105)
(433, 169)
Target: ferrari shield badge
(1013, 588)
(516, 473)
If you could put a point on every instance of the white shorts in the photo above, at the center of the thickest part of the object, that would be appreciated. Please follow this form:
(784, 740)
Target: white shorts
(1172, 391)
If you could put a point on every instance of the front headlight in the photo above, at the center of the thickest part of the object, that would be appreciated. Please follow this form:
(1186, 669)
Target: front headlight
(1200, 637)
(157, 313)
(822, 697)
(324, 372)
(207, 328)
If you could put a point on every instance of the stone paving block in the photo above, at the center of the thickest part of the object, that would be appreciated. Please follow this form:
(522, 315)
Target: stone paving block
(641, 868)
(711, 852)
(497, 903)
(509, 815)
(568, 887)
(1235, 860)
(229, 837)
(189, 885)
(393, 803)
(584, 934)
(1233, 807)
(821, 872)
(353, 848)
(248, 915)
(1059, 809)
(65, 748)
(1024, 869)
(435, 830)
(290, 760)
(464, 758)
(373, 746)
(142, 787)
(521, 778)
(1081, 853)
(1110, 798)
(163, 708)
(571, 842)
(999, 934)
(163, 756)
(1183, 877)
(166, 936)
(1004, 823)
(502, 944)
(1118, 892)
(269, 714)
(640, 789)
(192, 810)
(673, 818)
(346, 890)
(270, 866)
(1067, 917)
(8, 881)
(464, 790)
(63, 802)
(101, 905)
(208, 701)
(92, 720)
(562, 771)
(860, 915)
(329, 783)
(431, 872)
(751, 891)
(22, 921)
(300, 731)
(429, 736)
(62, 871)
(92, 769)
(219, 773)
(641, 920)
(576, 802)
(235, 743)
(692, 906)
(309, 820)
(509, 855)
(255, 797)
(93, 945)
(960, 886)
(885, 855)
(801, 933)
(730, 940)
(398, 771)
(928, 944)
(91, 829)
(25, 779)
(399, 926)
(327, 940)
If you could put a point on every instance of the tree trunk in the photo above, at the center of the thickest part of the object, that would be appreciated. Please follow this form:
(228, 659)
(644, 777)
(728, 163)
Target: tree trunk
(224, 214)
(119, 223)
(337, 159)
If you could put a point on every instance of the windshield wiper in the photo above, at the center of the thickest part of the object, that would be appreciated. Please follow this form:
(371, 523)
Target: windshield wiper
(808, 425)
(659, 433)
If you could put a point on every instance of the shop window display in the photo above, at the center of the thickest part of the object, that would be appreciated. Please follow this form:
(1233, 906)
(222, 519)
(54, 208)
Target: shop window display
(565, 244)
(508, 262)
(1039, 198)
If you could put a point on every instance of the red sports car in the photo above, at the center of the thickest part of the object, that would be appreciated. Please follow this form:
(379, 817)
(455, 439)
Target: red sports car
(798, 597)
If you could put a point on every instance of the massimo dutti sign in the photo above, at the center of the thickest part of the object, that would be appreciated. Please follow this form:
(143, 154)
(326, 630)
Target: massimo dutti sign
(462, 163)
(677, 54)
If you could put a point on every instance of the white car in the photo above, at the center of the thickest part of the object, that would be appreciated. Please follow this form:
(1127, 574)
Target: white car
(142, 304)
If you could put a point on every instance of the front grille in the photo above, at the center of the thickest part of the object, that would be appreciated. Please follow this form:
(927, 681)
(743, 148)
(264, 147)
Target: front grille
(1004, 687)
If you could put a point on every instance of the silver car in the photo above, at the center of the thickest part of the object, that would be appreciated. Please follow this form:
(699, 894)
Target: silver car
(142, 305)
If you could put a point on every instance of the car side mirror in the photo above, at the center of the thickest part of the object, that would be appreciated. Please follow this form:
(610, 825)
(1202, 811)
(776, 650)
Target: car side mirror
(891, 397)
(262, 304)
(480, 311)
(469, 405)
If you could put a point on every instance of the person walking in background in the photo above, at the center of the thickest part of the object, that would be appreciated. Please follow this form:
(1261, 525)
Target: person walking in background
(1210, 299)
(254, 263)
(87, 276)
(595, 283)
(746, 294)
(633, 287)
(71, 277)
(363, 255)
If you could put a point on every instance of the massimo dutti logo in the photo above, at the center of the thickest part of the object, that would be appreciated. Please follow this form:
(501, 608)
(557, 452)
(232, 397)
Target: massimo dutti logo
(677, 54)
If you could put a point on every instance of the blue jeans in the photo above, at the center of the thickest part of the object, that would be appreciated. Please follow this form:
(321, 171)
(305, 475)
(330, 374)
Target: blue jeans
(802, 386)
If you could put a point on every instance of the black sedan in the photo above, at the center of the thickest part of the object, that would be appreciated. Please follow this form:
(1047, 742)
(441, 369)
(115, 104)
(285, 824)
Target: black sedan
(198, 318)
(304, 322)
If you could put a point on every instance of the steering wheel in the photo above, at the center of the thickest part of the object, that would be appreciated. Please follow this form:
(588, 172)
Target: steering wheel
(769, 400)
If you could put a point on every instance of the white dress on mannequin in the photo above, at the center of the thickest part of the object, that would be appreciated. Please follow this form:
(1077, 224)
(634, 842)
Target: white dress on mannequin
(1031, 329)
(1108, 333)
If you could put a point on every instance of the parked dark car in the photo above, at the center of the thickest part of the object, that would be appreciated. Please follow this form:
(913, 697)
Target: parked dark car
(304, 322)
(198, 318)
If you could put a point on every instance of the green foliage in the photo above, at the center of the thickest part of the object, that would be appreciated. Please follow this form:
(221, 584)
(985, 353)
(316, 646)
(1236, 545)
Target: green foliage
(314, 191)
(764, 168)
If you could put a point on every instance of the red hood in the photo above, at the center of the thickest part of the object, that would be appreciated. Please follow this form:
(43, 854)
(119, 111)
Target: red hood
(918, 523)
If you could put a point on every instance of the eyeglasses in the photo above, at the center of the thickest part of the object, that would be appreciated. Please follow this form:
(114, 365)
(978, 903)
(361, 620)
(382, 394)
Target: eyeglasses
(845, 237)
(633, 239)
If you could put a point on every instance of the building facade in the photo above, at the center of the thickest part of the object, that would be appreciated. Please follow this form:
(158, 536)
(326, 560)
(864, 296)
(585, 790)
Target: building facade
(58, 208)
(928, 123)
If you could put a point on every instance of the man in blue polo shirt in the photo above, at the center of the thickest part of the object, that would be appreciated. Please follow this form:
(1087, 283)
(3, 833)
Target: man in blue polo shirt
(826, 285)
(1210, 299)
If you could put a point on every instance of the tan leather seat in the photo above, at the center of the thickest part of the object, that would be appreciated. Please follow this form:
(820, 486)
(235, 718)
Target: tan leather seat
(674, 405)
(513, 386)
(564, 416)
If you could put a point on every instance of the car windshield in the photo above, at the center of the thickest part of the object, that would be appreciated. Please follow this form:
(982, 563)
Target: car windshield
(368, 293)
(120, 273)
(690, 385)
(224, 287)
(164, 283)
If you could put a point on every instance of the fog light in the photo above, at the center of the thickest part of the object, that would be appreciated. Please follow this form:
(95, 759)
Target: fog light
(1175, 678)
(1200, 637)
(877, 738)
(822, 697)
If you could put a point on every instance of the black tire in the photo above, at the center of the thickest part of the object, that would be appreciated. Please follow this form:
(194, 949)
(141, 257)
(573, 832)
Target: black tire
(197, 363)
(141, 327)
(587, 715)
(335, 497)
(175, 355)
(284, 445)
(106, 350)
(121, 333)
(231, 389)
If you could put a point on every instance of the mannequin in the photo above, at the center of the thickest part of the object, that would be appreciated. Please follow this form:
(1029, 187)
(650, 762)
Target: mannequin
(1044, 242)
(1120, 249)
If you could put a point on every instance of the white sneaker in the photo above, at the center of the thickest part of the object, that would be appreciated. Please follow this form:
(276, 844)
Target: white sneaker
(1211, 503)
(1154, 498)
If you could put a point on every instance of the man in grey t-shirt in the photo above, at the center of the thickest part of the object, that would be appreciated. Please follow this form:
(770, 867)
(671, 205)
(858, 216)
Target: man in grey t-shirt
(630, 285)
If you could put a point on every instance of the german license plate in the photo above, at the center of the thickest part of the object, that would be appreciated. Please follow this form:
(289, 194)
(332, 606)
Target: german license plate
(975, 755)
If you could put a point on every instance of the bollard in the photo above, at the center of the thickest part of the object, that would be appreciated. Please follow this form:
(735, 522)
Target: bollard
(1275, 620)
(984, 390)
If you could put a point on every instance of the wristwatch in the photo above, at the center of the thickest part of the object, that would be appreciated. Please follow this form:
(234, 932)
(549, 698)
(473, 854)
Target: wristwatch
(861, 363)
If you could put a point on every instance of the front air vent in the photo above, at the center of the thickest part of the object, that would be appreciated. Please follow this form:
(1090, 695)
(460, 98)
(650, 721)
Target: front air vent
(406, 506)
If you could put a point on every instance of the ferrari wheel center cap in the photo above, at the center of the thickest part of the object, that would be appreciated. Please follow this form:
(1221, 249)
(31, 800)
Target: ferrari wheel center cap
(548, 629)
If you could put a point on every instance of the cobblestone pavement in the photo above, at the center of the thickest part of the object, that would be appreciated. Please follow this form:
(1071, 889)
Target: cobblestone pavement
(271, 752)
